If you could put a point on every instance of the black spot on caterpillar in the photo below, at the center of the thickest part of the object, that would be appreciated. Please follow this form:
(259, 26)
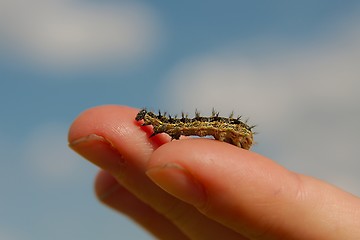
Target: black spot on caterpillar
(230, 130)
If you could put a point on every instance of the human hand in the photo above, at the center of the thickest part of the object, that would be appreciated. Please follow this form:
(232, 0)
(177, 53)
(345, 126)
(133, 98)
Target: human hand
(205, 189)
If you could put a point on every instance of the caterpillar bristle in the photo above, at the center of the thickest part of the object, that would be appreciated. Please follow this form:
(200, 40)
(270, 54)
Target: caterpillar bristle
(231, 114)
(197, 114)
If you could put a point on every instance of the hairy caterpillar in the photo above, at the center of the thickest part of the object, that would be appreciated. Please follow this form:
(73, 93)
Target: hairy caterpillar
(230, 130)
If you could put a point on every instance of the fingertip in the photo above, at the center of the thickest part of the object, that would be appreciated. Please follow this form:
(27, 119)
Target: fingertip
(222, 167)
(115, 125)
(105, 185)
(236, 181)
(114, 195)
(100, 120)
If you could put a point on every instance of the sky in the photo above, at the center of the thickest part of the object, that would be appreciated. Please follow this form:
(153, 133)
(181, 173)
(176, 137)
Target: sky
(291, 67)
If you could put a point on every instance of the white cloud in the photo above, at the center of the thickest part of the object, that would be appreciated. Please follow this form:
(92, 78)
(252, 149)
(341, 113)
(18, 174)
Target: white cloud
(73, 33)
(305, 98)
(48, 155)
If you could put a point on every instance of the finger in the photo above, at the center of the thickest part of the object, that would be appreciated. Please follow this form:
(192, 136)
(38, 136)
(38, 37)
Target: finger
(252, 194)
(111, 193)
(110, 137)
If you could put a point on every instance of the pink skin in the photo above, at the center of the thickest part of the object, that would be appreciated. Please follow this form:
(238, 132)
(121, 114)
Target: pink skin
(205, 189)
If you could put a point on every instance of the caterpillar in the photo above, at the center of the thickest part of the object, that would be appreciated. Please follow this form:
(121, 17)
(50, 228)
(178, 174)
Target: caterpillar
(230, 130)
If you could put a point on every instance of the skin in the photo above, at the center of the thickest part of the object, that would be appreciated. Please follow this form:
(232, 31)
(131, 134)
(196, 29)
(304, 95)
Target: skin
(205, 189)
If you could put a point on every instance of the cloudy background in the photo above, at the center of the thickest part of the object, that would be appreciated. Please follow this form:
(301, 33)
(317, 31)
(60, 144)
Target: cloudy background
(292, 68)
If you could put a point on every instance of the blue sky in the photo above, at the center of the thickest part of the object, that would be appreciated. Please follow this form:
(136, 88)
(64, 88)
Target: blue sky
(291, 67)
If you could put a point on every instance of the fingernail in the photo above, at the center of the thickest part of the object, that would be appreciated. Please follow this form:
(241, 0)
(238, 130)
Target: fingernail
(179, 182)
(88, 138)
(99, 151)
